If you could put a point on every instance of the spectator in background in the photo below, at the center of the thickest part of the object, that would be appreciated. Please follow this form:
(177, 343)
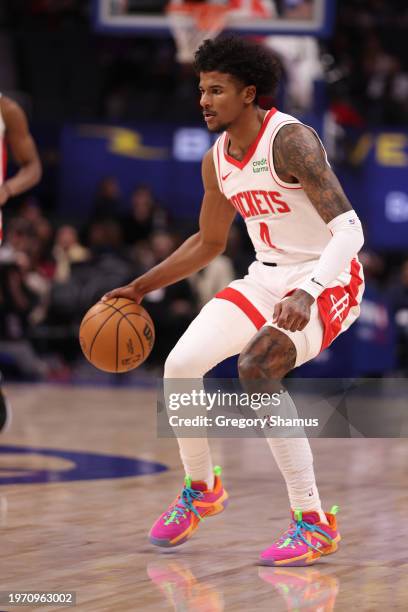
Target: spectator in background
(171, 308)
(30, 210)
(368, 70)
(105, 236)
(23, 249)
(66, 251)
(17, 303)
(19, 235)
(81, 272)
(108, 259)
(142, 255)
(37, 283)
(145, 216)
(108, 200)
(40, 246)
(388, 93)
(386, 83)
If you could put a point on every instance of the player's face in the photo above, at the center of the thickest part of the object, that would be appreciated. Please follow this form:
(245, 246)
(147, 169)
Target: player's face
(222, 99)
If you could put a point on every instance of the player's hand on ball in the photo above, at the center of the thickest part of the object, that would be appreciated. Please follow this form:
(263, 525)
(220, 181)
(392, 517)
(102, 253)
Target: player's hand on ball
(293, 313)
(130, 292)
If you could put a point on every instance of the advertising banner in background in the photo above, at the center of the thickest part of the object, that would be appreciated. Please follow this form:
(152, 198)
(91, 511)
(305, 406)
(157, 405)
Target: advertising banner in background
(168, 158)
(378, 187)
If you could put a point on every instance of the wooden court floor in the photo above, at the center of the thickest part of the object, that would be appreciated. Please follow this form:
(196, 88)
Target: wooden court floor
(89, 535)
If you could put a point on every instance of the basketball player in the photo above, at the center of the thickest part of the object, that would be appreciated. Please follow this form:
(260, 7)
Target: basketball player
(303, 290)
(15, 133)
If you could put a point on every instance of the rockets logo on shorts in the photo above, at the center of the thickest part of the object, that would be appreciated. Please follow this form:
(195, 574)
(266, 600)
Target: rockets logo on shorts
(339, 307)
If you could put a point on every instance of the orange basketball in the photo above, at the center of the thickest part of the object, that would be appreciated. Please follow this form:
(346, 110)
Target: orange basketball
(116, 335)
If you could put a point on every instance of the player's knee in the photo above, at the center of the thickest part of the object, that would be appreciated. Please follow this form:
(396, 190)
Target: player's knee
(272, 357)
(175, 366)
(182, 365)
(250, 368)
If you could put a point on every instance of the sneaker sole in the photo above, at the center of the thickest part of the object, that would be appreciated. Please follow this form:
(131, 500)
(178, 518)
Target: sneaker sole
(306, 561)
(166, 543)
(288, 563)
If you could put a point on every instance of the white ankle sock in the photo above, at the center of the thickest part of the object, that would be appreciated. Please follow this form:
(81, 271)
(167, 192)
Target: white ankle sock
(196, 458)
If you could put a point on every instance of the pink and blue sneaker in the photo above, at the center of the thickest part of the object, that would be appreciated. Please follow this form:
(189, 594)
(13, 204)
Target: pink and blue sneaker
(306, 540)
(184, 515)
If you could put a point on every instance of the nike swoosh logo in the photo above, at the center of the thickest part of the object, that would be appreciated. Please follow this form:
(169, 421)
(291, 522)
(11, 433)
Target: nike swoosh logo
(224, 178)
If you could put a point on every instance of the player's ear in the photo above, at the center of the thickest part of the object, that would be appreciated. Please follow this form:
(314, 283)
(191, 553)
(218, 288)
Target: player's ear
(249, 94)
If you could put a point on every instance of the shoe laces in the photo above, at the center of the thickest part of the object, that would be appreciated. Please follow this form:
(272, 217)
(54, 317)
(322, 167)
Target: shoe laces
(184, 504)
(295, 533)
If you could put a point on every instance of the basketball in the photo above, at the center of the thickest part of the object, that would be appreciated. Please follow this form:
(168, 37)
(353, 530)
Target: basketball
(116, 335)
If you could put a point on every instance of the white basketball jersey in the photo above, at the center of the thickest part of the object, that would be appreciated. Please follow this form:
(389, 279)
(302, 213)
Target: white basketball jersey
(3, 162)
(282, 223)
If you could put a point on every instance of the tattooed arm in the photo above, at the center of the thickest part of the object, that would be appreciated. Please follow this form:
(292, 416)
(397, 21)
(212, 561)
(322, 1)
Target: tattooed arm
(300, 158)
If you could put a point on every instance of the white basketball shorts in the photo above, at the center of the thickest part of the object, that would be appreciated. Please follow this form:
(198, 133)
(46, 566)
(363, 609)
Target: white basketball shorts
(331, 314)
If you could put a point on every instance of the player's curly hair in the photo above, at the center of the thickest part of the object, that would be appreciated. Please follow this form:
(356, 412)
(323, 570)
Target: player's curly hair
(250, 63)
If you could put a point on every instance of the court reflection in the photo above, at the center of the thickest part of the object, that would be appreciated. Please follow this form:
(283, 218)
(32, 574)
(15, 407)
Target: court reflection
(303, 588)
(182, 589)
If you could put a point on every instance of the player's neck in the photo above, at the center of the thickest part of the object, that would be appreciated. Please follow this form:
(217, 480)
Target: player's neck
(244, 131)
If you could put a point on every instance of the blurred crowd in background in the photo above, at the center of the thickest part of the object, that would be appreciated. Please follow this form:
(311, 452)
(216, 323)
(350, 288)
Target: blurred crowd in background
(367, 63)
(89, 75)
(50, 276)
(51, 272)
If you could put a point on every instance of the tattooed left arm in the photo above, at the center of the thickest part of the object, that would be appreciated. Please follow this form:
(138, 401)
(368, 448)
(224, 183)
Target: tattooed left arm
(299, 155)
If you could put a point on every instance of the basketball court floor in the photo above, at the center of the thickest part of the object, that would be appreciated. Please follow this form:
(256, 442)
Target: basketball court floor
(83, 476)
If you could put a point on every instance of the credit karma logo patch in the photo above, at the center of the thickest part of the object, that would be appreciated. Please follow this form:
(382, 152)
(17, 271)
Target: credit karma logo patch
(260, 165)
